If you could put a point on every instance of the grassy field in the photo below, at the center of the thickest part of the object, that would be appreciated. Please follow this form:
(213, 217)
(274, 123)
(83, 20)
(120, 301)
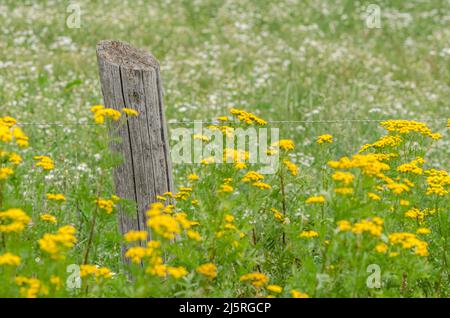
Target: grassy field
(309, 68)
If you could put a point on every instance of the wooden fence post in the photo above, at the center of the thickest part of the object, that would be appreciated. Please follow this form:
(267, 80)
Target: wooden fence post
(130, 78)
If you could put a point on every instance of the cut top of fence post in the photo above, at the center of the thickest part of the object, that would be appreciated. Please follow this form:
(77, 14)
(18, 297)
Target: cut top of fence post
(130, 78)
(124, 55)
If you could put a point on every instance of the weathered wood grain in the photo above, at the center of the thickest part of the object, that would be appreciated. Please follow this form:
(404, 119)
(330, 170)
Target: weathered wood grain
(131, 78)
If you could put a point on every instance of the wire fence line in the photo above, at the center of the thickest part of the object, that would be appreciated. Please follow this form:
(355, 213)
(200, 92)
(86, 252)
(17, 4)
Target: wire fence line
(187, 122)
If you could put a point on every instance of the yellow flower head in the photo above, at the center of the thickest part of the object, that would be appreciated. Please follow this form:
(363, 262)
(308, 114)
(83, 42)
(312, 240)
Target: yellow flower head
(13, 220)
(316, 199)
(381, 248)
(101, 113)
(274, 288)
(45, 162)
(5, 173)
(58, 243)
(256, 279)
(9, 259)
(193, 177)
(285, 144)
(344, 177)
(297, 294)
(105, 205)
(56, 197)
(209, 270)
(252, 176)
(292, 167)
(133, 236)
(246, 117)
(308, 234)
(130, 112)
(327, 138)
(48, 218)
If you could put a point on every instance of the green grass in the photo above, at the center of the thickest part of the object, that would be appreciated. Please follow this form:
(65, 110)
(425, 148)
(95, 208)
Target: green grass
(298, 61)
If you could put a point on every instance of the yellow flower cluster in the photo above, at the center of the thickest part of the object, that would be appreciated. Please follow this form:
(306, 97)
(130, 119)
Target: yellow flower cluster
(45, 162)
(56, 282)
(327, 138)
(223, 118)
(344, 191)
(297, 294)
(418, 215)
(409, 241)
(15, 159)
(397, 188)
(8, 132)
(247, 117)
(438, 182)
(138, 253)
(407, 126)
(30, 287)
(201, 137)
(209, 270)
(194, 235)
(226, 130)
(58, 243)
(235, 156)
(412, 166)
(308, 234)
(256, 279)
(9, 259)
(5, 173)
(12, 157)
(13, 220)
(56, 197)
(101, 113)
(87, 270)
(370, 164)
(373, 196)
(156, 266)
(151, 254)
(130, 112)
(423, 231)
(384, 142)
(107, 205)
(277, 214)
(163, 270)
(292, 167)
(261, 185)
(229, 226)
(5, 128)
(344, 226)
(252, 176)
(225, 188)
(274, 289)
(373, 226)
(183, 194)
(193, 177)
(48, 218)
(344, 177)
(133, 236)
(381, 248)
(166, 225)
(285, 144)
(315, 199)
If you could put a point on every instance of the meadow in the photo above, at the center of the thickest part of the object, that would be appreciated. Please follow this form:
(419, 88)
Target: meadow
(357, 208)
